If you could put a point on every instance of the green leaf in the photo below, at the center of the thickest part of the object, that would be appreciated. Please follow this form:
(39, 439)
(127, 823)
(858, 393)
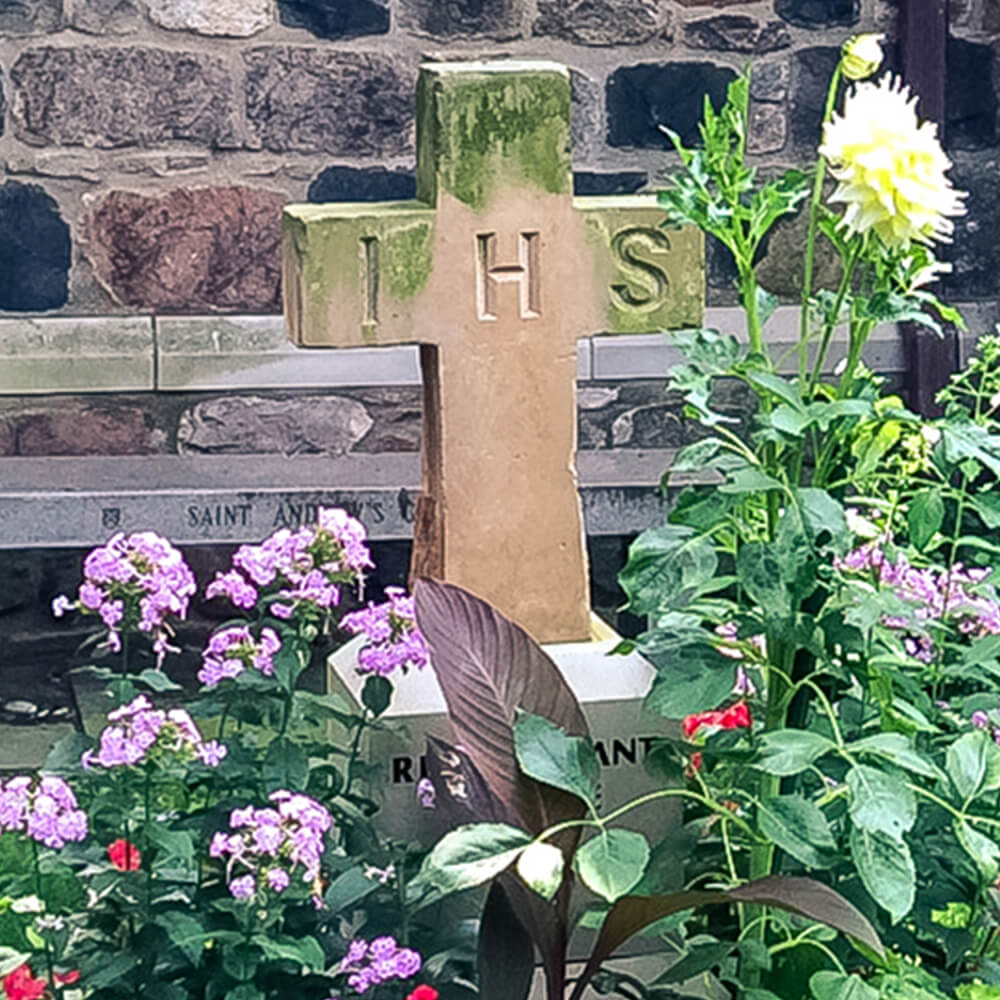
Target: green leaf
(790, 751)
(174, 846)
(186, 932)
(750, 479)
(829, 985)
(347, 889)
(546, 753)
(700, 958)
(666, 565)
(612, 862)
(962, 441)
(695, 457)
(973, 764)
(760, 574)
(245, 991)
(376, 695)
(886, 869)
(785, 389)
(983, 851)
(692, 679)
(897, 749)
(880, 802)
(799, 827)
(823, 514)
(285, 766)
(304, 951)
(925, 516)
(156, 680)
(471, 855)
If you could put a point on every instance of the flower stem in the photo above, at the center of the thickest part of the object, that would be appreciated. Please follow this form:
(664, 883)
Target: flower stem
(49, 965)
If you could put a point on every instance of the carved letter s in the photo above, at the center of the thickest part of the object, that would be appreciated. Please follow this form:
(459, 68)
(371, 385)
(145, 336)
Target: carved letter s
(646, 284)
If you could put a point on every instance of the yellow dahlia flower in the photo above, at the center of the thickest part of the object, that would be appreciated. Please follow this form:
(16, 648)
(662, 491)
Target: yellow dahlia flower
(861, 56)
(891, 168)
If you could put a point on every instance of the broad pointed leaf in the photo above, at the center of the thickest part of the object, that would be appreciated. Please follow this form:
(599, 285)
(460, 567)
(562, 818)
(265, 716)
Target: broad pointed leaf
(804, 896)
(472, 855)
(549, 755)
(506, 953)
(488, 667)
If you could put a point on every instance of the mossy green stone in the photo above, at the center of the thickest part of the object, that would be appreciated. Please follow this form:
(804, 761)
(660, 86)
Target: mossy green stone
(408, 259)
(482, 125)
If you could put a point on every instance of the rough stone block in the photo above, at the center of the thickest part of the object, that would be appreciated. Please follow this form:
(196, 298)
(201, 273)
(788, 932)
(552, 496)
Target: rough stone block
(203, 249)
(713, 3)
(341, 102)
(616, 182)
(811, 70)
(76, 355)
(237, 18)
(446, 19)
(104, 17)
(121, 97)
(2, 104)
(971, 110)
(336, 18)
(340, 183)
(640, 98)
(975, 252)
(768, 130)
(75, 427)
(30, 17)
(264, 425)
(818, 13)
(737, 33)
(35, 251)
(769, 81)
(254, 352)
(602, 22)
(586, 116)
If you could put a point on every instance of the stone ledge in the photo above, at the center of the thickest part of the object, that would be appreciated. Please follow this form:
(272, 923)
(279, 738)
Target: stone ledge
(56, 354)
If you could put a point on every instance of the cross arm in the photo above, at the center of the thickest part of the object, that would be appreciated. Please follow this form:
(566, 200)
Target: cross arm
(653, 277)
(353, 273)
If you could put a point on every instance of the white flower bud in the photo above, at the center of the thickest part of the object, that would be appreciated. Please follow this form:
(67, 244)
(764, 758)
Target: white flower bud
(861, 56)
(541, 868)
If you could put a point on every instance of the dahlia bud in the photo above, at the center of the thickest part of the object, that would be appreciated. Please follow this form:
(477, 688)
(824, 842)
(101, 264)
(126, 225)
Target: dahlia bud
(541, 867)
(861, 56)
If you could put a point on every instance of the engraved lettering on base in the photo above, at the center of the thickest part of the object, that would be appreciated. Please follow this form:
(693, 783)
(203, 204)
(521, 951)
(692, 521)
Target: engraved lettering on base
(525, 274)
(646, 284)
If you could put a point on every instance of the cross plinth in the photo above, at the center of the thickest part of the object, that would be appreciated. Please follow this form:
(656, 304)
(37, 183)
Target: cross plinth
(495, 271)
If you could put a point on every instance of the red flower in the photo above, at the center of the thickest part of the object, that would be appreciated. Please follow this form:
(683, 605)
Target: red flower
(735, 717)
(22, 985)
(423, 992)
(124, 856)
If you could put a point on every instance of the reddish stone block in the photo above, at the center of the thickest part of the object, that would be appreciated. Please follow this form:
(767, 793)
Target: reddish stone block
(215, 249)
(75, 427)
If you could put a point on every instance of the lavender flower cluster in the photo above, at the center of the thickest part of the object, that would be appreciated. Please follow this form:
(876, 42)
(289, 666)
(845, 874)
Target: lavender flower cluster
(232, 651)
(139, 732)
(45, 809)
(308, 566)
(271, 844)
(935, 595)
(367, 965)
(395, 642)
(133, 583)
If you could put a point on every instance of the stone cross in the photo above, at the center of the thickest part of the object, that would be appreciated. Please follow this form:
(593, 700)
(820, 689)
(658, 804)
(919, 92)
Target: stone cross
(495, 271)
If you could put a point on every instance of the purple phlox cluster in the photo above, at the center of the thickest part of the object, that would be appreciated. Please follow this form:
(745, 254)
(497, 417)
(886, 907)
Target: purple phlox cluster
(934, 595)
(381, 961)
(231, 651)
(44, 808)
(306, 568)
(982, 720)
(426, 793)
(134, 583)
(138, 732)
(394, 641)
(265, 847)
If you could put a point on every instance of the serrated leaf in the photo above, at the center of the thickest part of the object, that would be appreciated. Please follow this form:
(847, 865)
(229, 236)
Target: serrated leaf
(790, 751)
(897, 749)
(691, 679)
(612, 862)
(665, 566)
(880, 802)
(925, 516)
(798, 827)
(886, 869)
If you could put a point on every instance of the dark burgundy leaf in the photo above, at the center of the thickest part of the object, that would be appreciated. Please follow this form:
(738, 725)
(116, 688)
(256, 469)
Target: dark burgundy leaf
(506, 952)
(488, 667)
(798, 895)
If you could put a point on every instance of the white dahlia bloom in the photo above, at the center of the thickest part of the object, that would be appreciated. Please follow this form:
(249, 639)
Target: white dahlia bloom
(890, 166)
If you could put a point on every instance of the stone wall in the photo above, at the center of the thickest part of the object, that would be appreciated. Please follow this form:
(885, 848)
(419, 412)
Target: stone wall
(148, 145)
